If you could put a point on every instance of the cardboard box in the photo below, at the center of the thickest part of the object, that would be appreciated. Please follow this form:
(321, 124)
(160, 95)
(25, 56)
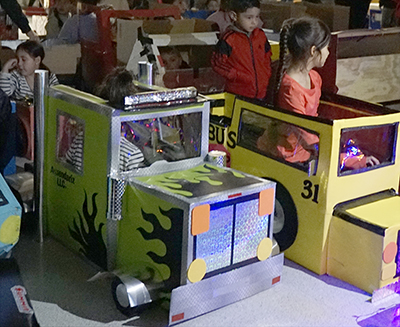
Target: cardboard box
(336, 17)
(127, 31)
(127, 34)
(274, 13)
(69, 54)
(182, 26)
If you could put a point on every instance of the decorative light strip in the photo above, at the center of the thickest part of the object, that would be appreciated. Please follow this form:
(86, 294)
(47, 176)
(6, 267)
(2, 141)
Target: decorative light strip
(144, 99)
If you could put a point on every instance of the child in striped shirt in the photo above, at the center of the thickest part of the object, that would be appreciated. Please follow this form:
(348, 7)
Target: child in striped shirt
(115, 87)
(18, 74)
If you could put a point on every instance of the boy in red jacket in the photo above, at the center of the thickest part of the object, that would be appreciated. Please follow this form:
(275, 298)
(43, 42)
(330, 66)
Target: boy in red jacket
(243, 53)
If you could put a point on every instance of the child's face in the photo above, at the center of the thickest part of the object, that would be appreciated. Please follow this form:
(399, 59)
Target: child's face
(65, 6)
(26, 64)
(182, 5)
(320, 57)
(171, 61)
(249, 19)
(213, 5)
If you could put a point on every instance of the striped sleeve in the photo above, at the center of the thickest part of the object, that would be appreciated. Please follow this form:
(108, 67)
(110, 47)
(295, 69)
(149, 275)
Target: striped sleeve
(74, 154)
(129, 155)
(53, 80)
(8, 83)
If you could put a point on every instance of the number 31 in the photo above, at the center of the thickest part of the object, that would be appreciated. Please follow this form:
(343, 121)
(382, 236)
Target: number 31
(308, 191)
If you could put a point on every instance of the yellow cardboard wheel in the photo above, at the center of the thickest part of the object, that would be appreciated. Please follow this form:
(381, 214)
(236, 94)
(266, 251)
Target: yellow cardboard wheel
(197, 270)
(264, 249)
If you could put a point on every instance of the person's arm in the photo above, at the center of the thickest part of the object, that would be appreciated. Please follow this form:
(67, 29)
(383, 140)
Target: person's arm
(69, 31)
(53, 80)
(7, 83)
(130, 156)
(52, 26)
(372, 161)
(33, 36)
(221, 63)
(13, 9)
(220, 60)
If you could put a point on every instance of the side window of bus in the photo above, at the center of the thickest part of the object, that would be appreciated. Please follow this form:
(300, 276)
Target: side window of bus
(279, 140)
(366, 148)
(70, 141)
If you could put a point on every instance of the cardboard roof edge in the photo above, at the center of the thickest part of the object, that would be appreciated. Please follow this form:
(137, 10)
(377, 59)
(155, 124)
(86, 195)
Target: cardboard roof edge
(177, 26)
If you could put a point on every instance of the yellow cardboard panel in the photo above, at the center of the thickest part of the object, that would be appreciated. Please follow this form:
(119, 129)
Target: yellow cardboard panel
(373, 212)
(354, 255)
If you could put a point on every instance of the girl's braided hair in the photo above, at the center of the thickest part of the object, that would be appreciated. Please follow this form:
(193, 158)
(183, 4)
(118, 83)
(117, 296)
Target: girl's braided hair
(297, 37)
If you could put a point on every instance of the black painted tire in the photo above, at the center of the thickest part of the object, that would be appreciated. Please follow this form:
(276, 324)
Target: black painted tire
(285, 218)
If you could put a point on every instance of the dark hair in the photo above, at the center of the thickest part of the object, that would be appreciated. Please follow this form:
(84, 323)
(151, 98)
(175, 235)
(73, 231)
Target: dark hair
(171, 50)
(224, 5)
(297, 37)
(34, 49)
(90, 2)
(116, 86)
(240, 6)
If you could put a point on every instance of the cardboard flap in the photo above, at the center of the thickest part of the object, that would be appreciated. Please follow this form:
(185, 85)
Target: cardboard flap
(273, 14)
(69, 54)
(182, 26)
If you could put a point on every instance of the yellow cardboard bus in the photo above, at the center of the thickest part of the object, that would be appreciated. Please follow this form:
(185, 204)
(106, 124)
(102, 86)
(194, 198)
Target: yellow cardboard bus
(334, 213)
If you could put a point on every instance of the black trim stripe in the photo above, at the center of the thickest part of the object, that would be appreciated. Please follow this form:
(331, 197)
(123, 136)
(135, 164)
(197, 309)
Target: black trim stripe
(340, 210)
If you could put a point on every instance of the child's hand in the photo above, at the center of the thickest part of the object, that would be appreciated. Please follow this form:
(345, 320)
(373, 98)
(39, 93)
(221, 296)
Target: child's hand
(372, 161)
(9, 65)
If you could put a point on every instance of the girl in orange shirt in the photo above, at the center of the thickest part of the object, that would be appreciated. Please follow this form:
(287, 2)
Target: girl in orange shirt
(303, 46)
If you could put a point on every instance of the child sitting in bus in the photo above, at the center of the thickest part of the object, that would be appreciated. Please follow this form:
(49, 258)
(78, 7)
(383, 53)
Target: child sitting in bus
(243, 53)
(115, 87)
(303, 47)
(18, 74)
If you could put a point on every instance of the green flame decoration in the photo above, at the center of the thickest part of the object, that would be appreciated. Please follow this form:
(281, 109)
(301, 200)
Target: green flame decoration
(91, 240)
(174, 181)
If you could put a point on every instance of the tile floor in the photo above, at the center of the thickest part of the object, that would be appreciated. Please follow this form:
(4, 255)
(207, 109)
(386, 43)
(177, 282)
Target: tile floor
(64, 292)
